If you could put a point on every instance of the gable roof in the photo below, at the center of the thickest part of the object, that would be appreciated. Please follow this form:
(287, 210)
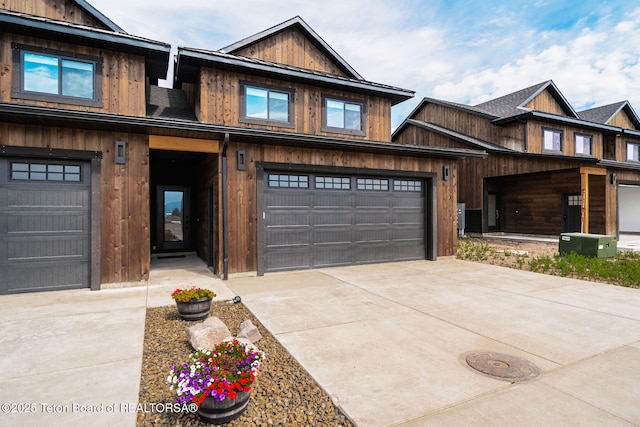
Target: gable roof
(98, 16)
(156, 53)
(605, 113)
(298, 23)
(460, 137)
(513, 104)
(189, 60)
(169, 103)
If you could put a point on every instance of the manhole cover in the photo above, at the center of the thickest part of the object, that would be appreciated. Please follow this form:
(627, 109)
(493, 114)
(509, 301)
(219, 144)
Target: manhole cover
(503, 366)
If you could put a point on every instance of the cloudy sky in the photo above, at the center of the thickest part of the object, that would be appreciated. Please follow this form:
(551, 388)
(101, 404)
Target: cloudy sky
(465, 51)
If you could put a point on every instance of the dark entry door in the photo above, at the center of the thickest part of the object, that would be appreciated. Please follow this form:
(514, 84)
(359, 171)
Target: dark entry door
(493, 212)
(173, 214)
(571, 212)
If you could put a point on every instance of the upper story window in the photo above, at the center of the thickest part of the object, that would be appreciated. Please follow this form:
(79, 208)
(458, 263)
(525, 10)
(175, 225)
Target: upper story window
(343, 116)
(266, 105)
(47, 75)
(551, 140)
(633, 152)
(584, 144)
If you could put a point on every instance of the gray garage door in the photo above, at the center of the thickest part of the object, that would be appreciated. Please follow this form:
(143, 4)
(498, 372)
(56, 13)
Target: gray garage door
(629, 207)
(44, 225)
(319, 220)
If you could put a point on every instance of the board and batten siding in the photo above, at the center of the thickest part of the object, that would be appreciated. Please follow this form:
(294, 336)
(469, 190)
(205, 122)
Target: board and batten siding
(243, 205)
(124, 213)
(61, 10)
(219, 103)
(123, 77)
(292, 48)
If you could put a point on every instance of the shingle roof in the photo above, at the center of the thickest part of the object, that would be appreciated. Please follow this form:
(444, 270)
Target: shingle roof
(170, 104)
(605, 113)
(513, 104)
(190, 59)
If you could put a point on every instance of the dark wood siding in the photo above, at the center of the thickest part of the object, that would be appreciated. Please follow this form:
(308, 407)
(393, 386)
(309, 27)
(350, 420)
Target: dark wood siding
(124, 213)
(123, 77)
(291, 47)
(219, 102)
(62, 10)
(242, 193)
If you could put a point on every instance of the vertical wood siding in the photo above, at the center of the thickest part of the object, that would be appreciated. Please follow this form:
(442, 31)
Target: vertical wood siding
(61, 10)
(219, 103)
(545, 102)
(291, 47)
(242, 193)
(123, 77)
(124, 213)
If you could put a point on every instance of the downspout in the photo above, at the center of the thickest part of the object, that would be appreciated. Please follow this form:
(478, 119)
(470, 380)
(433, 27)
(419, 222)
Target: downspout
(225, 217)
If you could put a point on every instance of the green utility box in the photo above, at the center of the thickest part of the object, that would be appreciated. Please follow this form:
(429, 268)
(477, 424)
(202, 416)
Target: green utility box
(593, 245)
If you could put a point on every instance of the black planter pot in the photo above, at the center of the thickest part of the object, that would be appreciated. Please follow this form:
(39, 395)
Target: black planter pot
(196, 309)
(218, 412)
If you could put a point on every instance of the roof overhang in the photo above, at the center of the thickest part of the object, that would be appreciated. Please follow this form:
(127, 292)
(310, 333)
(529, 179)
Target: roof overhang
(538, 115)
(189, 61)
(619, 165)
(45, 116)
(156, 53)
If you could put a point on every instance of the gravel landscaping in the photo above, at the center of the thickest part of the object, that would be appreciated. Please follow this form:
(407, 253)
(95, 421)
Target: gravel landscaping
(284, 394)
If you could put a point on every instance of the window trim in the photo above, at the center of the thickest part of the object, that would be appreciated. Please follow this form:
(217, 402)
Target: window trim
(253, 120)
(561, 132)
(575, 144)
(363, 116)
(636, 144)
(17, 85)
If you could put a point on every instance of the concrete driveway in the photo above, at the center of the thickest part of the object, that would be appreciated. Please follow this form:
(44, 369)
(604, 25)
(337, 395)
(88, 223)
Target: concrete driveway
(388, 341)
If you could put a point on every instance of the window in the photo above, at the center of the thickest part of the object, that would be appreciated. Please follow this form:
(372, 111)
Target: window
(551, 140)
(47, 75)
(583, 145)
(574, 200)
(407, 185)
(343, 116)
(373, 184)
(333, 183)
(633, 152)
(44, 172)
(267, 105)
(288, 181)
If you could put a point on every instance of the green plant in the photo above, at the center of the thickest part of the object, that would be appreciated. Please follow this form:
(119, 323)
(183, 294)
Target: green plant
(186, 295)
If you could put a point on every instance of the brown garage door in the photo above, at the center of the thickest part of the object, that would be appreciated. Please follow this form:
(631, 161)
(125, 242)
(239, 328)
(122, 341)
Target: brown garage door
(44, 225)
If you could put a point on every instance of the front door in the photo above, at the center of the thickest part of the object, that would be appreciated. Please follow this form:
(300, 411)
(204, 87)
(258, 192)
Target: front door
(571, 212)
(173, 227)
(493, 212)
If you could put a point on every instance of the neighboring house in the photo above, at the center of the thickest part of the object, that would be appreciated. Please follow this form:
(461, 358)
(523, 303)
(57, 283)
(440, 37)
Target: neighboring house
(550, 169)
(271, 154)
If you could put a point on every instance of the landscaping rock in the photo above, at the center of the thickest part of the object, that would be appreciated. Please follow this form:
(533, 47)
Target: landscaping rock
(208, 334)
(249, 331)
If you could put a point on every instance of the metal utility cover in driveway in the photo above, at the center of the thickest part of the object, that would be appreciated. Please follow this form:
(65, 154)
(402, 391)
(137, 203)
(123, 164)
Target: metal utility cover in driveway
(320, 220)
(44, 225)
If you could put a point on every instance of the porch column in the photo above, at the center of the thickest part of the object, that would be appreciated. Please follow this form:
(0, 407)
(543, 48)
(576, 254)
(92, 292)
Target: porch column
(584, 190)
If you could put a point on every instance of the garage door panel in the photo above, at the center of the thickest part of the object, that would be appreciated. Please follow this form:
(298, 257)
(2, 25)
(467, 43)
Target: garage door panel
(46, 276)
(340, 233)
(278, 236)
(294, 217)
(335, 254)
(35, 249)
(373, 233)
(373, 200)
(287, 258)
(290, 199)
(629, 207)
(331, 217)
(46, 223)
(49, 198)
(339, 199)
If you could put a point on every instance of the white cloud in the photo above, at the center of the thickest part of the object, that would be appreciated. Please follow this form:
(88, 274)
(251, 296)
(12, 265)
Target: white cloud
(458, 50)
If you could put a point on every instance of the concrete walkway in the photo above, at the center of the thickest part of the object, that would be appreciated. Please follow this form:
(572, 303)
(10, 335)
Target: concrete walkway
(73, 358)
(385, 341)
